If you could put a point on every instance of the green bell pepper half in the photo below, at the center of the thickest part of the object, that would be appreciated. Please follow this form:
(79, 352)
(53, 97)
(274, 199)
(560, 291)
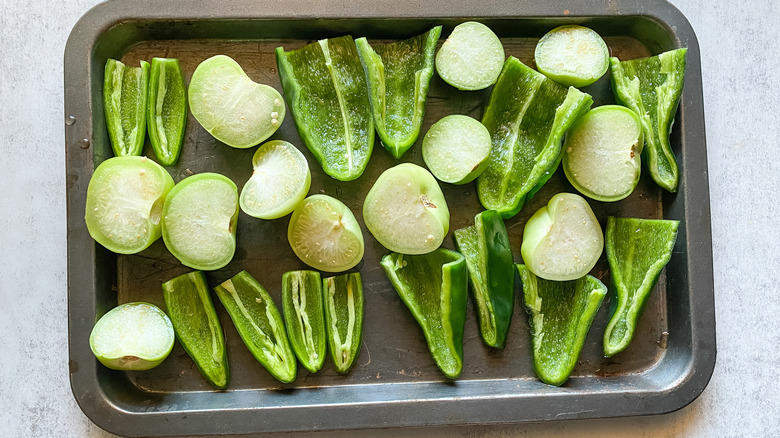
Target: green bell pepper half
(652, 87)
(125, 93)
(485, 245)
(259, 324)
(196, 325)
(305, 317)
(325, 87)
(343, 296)
(399, 75)
(433, 287)
(560, 314)
(637, 251)
(166, 115)
(527, 115)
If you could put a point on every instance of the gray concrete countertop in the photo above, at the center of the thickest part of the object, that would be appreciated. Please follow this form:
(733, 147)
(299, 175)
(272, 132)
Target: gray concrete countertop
(740, 61)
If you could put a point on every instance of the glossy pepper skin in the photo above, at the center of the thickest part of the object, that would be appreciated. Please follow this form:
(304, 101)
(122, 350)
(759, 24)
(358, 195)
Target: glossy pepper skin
(304, 316)
(399, 75)
(125, 94)
(527, 115)
(560, 314)
(433, 287)
(343, 298)
(259, 324)
(325, 88)
(652, 87)
(166, 115)
(637, 251)
(485, 245)
(197, 326)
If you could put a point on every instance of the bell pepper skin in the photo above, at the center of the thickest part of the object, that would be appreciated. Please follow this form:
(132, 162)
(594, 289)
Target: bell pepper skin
(433, 287)
(485, 245)
(637, 251)
(259, 323)
(560, 314)
(343, 297)
(652, 87)
(125, 94)
(197, 326)
(305, 317)
(398, 76)
(166, 115)
(325, 87)
(527, 115)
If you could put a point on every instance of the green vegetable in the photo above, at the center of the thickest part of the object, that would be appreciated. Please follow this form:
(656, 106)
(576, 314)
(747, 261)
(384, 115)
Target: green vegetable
(560, 314)
(343, 296)
(637, 251)
(305, 317)
(433, 287)
(471, 57)
(456, 149)
(166, 115)
(325, 86)
(125, 92)
(485, 245)
(652, 88)
(132, 336)
(572, 55)
(398, 76)
(197, 326)
(526, 116)
(259, 323)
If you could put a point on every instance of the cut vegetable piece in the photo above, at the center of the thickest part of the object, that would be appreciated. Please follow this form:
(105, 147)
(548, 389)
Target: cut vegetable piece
(305, 317)
(601, 153)
(637, 251)
(132, 336)
(166, 115)
(124, 203)
(125, 91)
(259, 323)
(471, 57)
(230, 106)
(324, 234)
(572, 55)
(325, 86)
(199, 222)
(456, 149)
(197, 326)
(405, 210)
(562, 240)
(398, 76)
(433, 287)
(527, 115)
(280, 181)
(485, 245)
(343, 297)
(560, 314)
(652, 88)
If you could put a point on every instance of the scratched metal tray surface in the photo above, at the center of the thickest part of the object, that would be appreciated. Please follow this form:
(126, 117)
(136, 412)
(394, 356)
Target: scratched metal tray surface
(395, 382)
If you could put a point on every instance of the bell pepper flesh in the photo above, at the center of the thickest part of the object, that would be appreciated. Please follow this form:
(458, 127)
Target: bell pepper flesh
(325, 87)
(485, 245)
(305, 317)
(560, 314)
(433, 287)
(652, 87)
(196, 325)
(343, 296)
(259, 324)
(166, 109)
(527, 115)
(125, 94)
(399, 75)
(637, 251)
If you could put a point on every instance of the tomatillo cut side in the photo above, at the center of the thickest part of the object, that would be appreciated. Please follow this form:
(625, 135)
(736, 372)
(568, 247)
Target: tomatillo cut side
(572, 55)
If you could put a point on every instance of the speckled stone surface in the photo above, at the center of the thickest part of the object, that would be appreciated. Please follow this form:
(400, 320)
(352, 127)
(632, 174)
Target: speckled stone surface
(740, 61)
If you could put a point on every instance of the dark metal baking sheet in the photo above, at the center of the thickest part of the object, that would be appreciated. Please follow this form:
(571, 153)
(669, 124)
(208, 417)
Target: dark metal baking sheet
(395, 382)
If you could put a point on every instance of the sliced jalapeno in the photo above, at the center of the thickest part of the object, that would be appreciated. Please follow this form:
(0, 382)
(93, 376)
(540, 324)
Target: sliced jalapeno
(343, 297)
(305, 317)
(124, 104)
(166, 115)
